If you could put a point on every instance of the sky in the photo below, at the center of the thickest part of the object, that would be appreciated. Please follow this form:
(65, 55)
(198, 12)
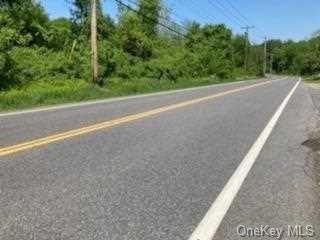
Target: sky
(281, 19)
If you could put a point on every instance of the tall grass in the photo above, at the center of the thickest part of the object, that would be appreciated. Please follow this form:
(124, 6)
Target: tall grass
(313, 79)
(49, 92)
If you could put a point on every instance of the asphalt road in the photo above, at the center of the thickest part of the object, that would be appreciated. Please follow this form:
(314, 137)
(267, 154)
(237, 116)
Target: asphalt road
(150, 167)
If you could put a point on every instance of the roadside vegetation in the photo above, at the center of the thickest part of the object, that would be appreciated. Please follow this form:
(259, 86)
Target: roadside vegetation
(312, 79)
(297, 58)
(47, 61)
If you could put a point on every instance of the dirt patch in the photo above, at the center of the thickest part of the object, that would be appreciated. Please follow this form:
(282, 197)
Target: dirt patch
(313, 143)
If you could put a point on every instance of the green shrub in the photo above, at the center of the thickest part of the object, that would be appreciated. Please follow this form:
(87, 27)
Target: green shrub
(31, 64)
(50, 91)
(36, 63)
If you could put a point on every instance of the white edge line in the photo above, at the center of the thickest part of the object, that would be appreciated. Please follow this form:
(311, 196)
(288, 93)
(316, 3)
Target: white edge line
(110, 100)
(211, 221)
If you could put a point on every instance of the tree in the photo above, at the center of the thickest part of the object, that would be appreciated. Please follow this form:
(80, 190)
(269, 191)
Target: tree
(28, 18)
(315, 34)
(132, 38)
(11, 3)
(213, 45)
(149, 14)
(239, 50)
(80, 12)
(194, 35)
(59, 33)
(22, 24)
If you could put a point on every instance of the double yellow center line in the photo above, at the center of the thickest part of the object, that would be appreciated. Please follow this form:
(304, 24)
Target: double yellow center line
(111, 123)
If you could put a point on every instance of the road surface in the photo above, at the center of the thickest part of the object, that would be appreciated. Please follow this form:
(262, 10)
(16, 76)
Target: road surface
(154, 167)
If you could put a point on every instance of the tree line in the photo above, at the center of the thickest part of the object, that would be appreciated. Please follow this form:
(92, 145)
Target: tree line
(34, 47)
(298, 58)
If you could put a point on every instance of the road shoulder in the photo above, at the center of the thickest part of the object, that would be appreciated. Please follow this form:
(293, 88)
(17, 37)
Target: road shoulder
(283, 187)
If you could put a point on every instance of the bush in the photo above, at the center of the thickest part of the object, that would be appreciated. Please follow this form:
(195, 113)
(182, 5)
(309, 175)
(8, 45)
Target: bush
(30, 64)
(50, 91)
(36, 63)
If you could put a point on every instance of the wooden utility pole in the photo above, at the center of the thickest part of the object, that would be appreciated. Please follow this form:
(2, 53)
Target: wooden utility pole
(94, 47)
(265, 57)
(246, 57)
(271, 62)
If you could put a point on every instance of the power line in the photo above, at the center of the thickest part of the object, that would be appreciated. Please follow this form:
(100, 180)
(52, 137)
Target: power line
(171, 12)
(203, 13)
(208, 14)
(164, 19)
(246, 20)
(239, 13)
(151, 19)
(221, 10)
(217, 5)
(231, 15)
(239, 20)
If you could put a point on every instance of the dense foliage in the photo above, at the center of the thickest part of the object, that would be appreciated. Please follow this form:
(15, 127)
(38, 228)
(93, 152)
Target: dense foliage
(35, 48)
(302, 58)
(38, 51)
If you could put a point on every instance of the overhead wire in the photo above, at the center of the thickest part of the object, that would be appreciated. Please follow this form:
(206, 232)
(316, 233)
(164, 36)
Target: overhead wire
(151, 19)
(190, 5)
(231, 15)
(204, 11)
(238, 12)
(171, 13)
(222, 11)
(226, 9)
(245, 20)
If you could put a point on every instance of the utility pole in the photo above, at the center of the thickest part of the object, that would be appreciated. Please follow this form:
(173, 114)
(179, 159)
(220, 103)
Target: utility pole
(265, 57)
(271, 62)
(94, 47)
(247, 28)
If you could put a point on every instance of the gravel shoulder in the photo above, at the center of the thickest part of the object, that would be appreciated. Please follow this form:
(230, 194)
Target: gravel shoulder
(314, 140)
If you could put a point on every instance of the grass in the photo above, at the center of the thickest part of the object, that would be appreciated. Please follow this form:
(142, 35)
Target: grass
(48, 92)
(312, 79)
